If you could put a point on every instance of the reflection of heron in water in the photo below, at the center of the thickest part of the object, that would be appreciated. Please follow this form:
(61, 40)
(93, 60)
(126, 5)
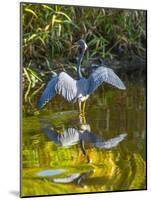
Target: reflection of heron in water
(81, 135)
(79, 90)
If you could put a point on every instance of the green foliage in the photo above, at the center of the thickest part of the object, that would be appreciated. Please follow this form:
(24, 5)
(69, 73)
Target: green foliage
(49, 32)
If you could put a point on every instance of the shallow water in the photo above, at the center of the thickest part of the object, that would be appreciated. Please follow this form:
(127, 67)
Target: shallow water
(105, 151)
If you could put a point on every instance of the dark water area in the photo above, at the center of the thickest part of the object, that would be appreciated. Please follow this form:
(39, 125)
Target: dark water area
(105, 151)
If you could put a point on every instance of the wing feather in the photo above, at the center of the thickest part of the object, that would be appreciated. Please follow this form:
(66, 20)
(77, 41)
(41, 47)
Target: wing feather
(49, 92)
(69, 137)
(63, 85)
(104, 74)
(111, 142)
(66, 86)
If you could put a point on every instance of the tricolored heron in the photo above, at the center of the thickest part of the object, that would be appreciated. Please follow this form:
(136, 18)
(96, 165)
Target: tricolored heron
(80, 89)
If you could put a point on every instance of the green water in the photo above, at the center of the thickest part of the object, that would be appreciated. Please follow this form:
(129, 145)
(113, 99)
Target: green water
(58, 160)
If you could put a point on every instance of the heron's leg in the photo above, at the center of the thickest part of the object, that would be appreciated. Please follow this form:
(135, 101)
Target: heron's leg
(83, 109)
(80, 107)
(84, 151)
(84, 119)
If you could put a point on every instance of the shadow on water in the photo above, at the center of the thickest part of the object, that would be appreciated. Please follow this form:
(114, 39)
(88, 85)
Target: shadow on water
(105, 151)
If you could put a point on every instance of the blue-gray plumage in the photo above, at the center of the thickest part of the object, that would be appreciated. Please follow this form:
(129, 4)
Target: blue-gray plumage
(79, 90)
(72, 136)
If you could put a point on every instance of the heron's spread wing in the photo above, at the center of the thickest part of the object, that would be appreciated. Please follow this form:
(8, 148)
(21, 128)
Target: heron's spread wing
(51, 134)
(62, 84)
(111, 142)
(49, 92)
(104, 74)
(69, 137)
(66, 86)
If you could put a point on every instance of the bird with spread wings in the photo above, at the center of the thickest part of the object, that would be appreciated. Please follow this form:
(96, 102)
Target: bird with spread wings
(79, 90)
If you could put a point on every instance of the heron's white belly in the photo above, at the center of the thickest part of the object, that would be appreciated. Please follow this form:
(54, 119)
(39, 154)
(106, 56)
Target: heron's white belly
(83, 98)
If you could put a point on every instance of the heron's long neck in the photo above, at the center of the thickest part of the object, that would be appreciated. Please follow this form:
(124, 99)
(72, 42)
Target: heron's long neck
(79, 64)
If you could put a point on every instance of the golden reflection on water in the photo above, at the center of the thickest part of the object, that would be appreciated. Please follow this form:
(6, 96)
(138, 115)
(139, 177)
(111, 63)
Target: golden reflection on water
(109, 114)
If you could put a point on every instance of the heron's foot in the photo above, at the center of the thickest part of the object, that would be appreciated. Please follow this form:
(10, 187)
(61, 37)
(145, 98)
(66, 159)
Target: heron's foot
(82, 114)
(82, 118)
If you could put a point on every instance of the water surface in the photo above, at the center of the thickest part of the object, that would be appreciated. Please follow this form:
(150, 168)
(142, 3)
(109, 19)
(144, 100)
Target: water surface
(104, 152)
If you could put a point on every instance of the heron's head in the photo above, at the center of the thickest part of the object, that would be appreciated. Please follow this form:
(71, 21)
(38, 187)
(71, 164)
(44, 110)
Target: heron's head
(82, 44)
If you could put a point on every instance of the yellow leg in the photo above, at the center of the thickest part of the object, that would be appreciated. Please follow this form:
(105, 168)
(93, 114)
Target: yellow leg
(84, 119)
(83, 109)
(80, 107)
